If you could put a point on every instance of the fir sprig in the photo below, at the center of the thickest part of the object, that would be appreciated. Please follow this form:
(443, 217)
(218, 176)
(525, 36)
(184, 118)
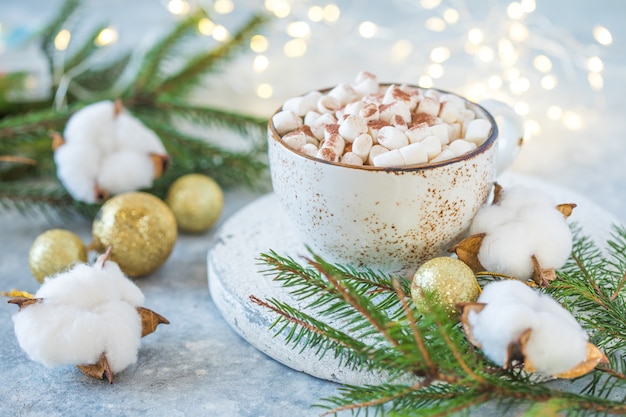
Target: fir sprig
(156, 93)
(368, 321)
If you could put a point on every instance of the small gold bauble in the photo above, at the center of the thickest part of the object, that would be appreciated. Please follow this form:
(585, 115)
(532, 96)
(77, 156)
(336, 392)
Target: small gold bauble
(197, 202)
(140, 229)
(448, 279)
(54, 251)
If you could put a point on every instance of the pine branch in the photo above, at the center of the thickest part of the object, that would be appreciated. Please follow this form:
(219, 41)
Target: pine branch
(455, 376)
(48, 34)
(85, 50)
(203, 63)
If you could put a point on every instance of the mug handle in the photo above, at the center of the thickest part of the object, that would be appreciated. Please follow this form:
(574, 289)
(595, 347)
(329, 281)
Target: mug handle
(511, 132)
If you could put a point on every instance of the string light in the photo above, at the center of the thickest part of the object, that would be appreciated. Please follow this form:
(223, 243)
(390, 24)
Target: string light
(548, 82)
(280, 8)
(518, 32)
(436, 24)
(425, 81)
(522, 108)
(62, 40)
(515, 10)
(223, 6)
(259, 43)
(528, 6)
(451, 16)
(368, 29)
(315, 14)
(602, 35)
(520, 86)
(260, 63)
(298, 29)
(430, 4)
(595, 64)
(106, 36)
(220, 33)
(542, 63)
(264, 90)
(495, 82)
(439, 54)
(475, 36)
(178, 7)
(595, 81)
(485, 54)
(331, 13)
(206, 26)
(572, 120)
(531, 128)
(435, 71)
(295, 48)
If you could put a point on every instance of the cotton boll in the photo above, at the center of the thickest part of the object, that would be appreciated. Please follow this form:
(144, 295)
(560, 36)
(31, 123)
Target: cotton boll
(548, 305)
(54, 334)
(132, 134)
(77, 167)
(507, 250)
(90, 124)
(497, 325)
(126, 289)
(555, 345)
(490, 217)
(89, 283)
(549, 233)
(509, 291)
(125, 171)
(518, 197)
(121, 326)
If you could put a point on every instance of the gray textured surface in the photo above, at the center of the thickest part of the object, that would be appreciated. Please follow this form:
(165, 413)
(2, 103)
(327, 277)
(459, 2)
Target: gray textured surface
(198, 365)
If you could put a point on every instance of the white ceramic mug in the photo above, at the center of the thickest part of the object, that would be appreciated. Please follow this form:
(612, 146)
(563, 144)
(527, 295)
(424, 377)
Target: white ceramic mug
(389, 219)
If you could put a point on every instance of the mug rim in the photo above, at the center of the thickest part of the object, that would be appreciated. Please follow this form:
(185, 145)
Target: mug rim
(486, 145)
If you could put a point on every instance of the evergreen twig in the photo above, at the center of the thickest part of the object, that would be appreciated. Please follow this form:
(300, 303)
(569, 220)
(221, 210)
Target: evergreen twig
(450, 375)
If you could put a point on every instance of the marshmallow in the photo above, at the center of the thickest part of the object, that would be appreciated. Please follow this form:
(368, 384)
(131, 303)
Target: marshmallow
(418, 132)
(443, 156)
(303, 104)
(369, 112)
(311, 116)
(354, 107)
(454, 131)
(334, 142)
(330, 130)
(361, 145)
(365, 83)
(295, 139)
(328, 104)
(449, 112)
(374, 152)
(414, 154)
(319, 125)
(441, 131)
(398, 122)
(392, 138)
(452, 100)
(432, 146)
(460, 147)
(434, 94)
(344, 93)
(395, 93)
(309, 149)
(478, 131)
(388, 111)
(285, 121)
(350, 158)
(373, 127)
(327, 154)
(352, 127)
(393, 158)
(429, 106)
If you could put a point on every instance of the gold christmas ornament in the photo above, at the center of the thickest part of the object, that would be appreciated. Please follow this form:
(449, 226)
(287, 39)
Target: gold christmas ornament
(196, 201)
(139, 227)
(449, 279)
(54, 251)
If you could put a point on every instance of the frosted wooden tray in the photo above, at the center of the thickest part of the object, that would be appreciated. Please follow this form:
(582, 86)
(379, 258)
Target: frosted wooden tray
(234, 274)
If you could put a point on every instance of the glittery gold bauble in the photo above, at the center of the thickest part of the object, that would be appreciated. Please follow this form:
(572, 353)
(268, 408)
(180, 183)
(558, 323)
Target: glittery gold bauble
(139, 227)
(448, 279)
(196, 201)
(54, 251)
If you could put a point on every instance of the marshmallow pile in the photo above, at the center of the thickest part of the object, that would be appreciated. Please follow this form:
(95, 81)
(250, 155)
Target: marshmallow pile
(365, 123)
(106, 151)
(84, 313)
(524, 223)
(554, 342)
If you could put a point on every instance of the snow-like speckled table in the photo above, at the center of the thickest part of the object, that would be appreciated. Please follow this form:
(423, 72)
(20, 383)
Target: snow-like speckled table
(199, 365)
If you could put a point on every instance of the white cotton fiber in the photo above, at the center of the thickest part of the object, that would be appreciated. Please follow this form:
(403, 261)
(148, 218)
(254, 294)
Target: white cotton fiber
(490, 217)
(556, 345)
(91, 127)
(557, 342)
(549, 233)
(507, 250)
(517, 197)
(499, 323)
(83, 313)
(93, 136)
(125, 170)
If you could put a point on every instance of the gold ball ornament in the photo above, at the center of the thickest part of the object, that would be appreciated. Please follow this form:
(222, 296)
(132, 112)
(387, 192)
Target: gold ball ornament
(196, 201)
(140, 229)
(54, 251)
(450, 280)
